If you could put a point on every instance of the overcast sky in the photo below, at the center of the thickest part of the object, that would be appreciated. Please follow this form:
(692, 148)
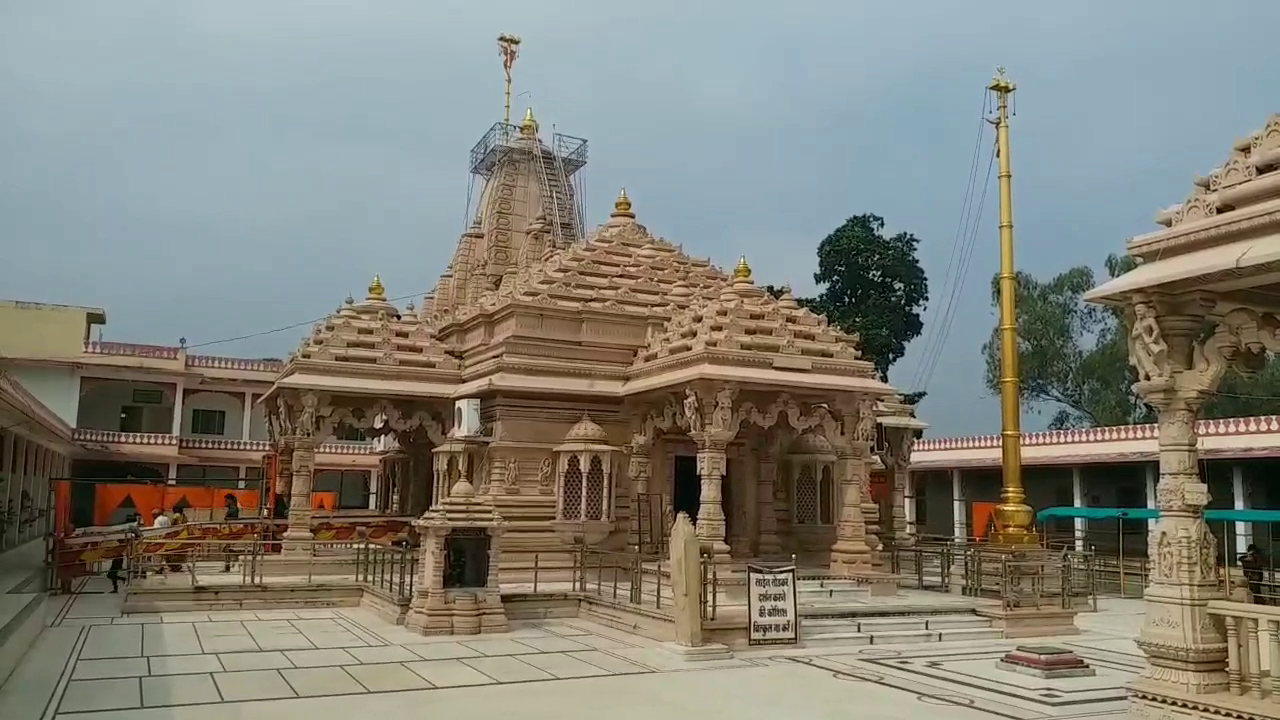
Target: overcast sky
(215, 169)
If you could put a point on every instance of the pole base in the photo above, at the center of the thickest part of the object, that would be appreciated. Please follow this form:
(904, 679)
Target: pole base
(1015, 538)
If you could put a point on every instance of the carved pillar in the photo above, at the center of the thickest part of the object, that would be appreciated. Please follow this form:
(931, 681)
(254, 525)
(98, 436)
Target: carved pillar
(297, 537)
(767, 491)
(638, 472)
(896, 457)
(711, 468)
(1186, 650)
(284, 476)
(853, 549)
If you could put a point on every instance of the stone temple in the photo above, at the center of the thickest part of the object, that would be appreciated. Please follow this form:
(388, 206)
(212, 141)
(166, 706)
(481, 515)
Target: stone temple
(587, 386)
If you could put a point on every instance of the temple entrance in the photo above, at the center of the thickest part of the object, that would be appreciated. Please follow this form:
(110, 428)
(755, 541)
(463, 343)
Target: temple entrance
(686, 487)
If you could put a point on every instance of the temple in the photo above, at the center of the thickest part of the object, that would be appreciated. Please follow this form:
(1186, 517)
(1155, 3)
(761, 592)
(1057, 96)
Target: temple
(588, 387)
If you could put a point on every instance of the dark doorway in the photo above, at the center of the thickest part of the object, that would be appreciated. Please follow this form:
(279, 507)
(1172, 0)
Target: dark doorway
(466, 558)
(686, 490)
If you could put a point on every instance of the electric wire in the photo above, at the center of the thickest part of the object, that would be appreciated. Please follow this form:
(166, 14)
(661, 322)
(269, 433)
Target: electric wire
(962, 277)
(932, 313)
(937, 331)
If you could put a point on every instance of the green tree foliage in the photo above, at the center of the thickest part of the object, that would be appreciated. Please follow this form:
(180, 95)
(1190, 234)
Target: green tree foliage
(873, 286)
(1074, 357)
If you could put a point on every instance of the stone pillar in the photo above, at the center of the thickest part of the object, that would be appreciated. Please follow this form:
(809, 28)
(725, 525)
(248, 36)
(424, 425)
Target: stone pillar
(179, 390)
(766, 496)
(247, 424)
(1240, 501)
(959, 508)
(1177, 371)
(851, 550)
(711, 469)
(297, 538)
(284, 471)
(896, 456)
(638, 472)
(1077, 499)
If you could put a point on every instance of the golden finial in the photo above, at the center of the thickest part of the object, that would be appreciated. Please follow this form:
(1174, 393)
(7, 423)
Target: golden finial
(743, 270)
(376, 291)
(529, 128)
(623, 203)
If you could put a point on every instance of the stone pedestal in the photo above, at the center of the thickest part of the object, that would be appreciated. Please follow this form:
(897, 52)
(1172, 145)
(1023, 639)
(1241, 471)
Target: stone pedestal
(1045, 662)
(1031, 622)
(453, 595)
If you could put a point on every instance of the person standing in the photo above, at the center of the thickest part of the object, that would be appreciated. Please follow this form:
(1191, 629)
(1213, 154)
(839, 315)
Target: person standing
(232, 508)
(160, 521)
(1252, 563)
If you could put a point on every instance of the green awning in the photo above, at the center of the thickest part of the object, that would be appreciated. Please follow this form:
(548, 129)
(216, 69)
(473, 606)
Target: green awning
(1096, 513)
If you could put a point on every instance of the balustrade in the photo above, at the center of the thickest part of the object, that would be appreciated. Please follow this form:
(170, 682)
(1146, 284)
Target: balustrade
(1253, 648)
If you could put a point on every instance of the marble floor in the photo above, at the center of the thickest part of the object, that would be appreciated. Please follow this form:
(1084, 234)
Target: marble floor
(93, 663)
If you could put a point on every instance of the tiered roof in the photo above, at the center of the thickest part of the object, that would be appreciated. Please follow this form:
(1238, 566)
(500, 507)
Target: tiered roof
(1223, 190)
(622, 268)
(375, 332)
(625, 269)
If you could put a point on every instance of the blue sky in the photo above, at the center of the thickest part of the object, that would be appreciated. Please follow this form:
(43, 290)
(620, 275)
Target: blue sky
(212, 169)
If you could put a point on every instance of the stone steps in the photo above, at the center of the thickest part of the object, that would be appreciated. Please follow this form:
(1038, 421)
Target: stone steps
(894, 630)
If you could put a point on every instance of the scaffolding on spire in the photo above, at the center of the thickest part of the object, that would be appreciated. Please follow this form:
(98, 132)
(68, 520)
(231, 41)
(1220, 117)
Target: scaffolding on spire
(557, 163)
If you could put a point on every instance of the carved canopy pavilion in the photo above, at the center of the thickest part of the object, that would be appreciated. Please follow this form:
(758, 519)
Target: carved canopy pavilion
(619, 381)
(1203, 299)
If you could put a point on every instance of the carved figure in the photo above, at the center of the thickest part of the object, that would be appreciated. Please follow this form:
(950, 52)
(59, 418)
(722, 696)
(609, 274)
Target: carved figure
(865, 431)
(307, 417)
(1148, 352)
(722, 417)
(692, 411)
(513, 473)
(544, 473)
(282, 416)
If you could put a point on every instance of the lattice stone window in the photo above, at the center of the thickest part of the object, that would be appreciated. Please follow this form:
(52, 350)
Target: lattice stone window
(585, 464)
(811, 464)
(571, 490)
(806, 496)
(594, 490)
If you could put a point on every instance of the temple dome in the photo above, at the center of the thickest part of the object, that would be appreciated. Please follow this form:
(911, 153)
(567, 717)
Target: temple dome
(587, 431)
(811, 442)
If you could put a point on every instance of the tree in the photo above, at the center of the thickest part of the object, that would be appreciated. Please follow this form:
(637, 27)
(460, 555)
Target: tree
(1074, 357)
(872, 286)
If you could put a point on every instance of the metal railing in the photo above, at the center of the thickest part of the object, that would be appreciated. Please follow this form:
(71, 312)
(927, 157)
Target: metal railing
(1032, 578)
(391, 570)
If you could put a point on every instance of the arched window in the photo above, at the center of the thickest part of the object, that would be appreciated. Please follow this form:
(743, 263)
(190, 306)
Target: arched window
(571, 490)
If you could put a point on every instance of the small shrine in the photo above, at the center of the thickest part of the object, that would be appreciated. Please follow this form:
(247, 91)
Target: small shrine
(457, 591)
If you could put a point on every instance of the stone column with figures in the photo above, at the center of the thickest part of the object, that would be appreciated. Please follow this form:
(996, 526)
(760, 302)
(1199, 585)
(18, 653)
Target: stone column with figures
(1178, 369)
(896, 457)
(310, 423)
(709, 417)
(852, 433)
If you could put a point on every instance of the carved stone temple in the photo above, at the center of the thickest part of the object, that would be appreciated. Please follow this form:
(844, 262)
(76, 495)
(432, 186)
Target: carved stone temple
(1203, 301)
(590, 386)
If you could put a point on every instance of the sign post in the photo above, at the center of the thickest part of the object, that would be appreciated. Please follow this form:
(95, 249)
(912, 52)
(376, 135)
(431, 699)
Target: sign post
(771, 606)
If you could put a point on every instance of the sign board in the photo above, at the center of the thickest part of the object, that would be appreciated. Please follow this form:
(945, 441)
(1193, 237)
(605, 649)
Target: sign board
(771, 606)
